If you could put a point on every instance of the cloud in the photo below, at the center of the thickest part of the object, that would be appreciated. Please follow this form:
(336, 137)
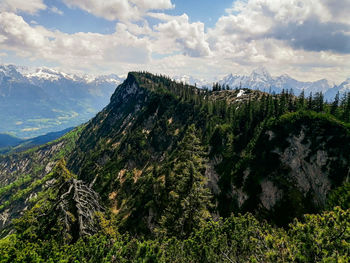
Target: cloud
(339, 10)
(122, 10)
(302, 38)
(312, 35)
(312, 25)
(55, 10)
(307, 39)
(189, 37)
(15, 33)
(31, 7)
(153, 4)
(82, 50)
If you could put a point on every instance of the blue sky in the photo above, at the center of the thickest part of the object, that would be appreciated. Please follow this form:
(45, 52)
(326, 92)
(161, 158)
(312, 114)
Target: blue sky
(307, 39)
(72, 20)
(77, 20)
(206, 11)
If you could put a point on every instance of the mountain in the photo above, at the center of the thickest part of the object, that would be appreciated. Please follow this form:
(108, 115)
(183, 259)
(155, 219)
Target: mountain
(7, 140)
(343, 88)
(42, 100)
(149, 177)
(192, 81)
(260, 79)
(12, 144)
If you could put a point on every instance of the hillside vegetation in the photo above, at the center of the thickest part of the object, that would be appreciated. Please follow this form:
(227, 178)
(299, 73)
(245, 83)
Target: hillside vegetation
(171, 173)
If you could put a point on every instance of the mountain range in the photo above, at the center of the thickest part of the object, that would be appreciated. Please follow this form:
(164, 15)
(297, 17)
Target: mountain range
(37, 101)
(261, 79)
(11, 144)
(168, 172)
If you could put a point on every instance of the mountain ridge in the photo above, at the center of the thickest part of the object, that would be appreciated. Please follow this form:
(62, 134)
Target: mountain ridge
(163, 162)
(261, 79)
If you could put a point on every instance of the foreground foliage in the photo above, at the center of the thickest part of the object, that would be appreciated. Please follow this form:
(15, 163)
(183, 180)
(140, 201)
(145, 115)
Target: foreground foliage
(241, 238)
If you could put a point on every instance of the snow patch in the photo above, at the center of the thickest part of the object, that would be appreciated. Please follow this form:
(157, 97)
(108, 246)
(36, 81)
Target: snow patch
(240, 93)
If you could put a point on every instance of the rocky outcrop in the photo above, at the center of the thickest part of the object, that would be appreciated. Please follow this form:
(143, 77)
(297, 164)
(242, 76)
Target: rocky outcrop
(307, 168)
(294, 163)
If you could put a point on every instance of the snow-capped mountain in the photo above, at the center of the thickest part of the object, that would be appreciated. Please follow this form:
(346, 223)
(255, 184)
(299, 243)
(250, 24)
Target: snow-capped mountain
(192, 81)
(261, 79)
(343, 88)
(41, 100)
(42, 74)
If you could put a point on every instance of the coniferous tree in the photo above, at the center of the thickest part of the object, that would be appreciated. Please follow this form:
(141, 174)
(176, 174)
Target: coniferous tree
(346, 112)
(189, 198)
(318, 102)
(335, 104)
(310, 102)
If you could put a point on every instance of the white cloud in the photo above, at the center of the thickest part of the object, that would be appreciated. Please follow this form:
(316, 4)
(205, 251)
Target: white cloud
(27, 6)
(15, 33)
(307, 39)
(308, 24)
(119, 9)
(190, 38)
(153, 4)
(80, 50)
(303, 38)
(55, 10)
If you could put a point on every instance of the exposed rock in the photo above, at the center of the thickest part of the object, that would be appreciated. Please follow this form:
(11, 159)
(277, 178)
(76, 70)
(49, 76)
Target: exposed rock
(212, 177)
(270, 194)
(308, 174)
(4, 217)
(239, 195)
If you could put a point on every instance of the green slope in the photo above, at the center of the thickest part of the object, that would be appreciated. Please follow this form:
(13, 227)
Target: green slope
(163, 161)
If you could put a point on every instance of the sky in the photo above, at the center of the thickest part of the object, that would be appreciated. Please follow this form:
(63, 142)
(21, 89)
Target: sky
(307, 39)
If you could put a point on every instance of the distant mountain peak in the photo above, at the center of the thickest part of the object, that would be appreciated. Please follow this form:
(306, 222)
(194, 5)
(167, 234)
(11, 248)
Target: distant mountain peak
(261, 79)
(191, 80)
(262, 72)
(285, 76)
(21, 73)
(47, 74)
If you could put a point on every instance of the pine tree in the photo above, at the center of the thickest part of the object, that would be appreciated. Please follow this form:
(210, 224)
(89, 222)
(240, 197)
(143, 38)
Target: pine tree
(335, 104)
(188, 196)
(346, 112)
(310, 102)
(301, 100)
(318, 102)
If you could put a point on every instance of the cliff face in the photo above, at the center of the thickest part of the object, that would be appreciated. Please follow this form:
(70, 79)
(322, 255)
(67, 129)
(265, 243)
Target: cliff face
(277, 168)
(294, 163)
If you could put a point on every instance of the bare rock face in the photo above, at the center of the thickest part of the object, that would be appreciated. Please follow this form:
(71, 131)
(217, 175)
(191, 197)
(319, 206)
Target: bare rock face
(307, 170)
(4, 217)
(239, 195)
(212, 177)
(270, 194)
(38, 163)
(293, 165)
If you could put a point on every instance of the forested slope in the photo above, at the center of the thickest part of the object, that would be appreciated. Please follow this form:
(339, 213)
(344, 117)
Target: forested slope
(148, 179)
